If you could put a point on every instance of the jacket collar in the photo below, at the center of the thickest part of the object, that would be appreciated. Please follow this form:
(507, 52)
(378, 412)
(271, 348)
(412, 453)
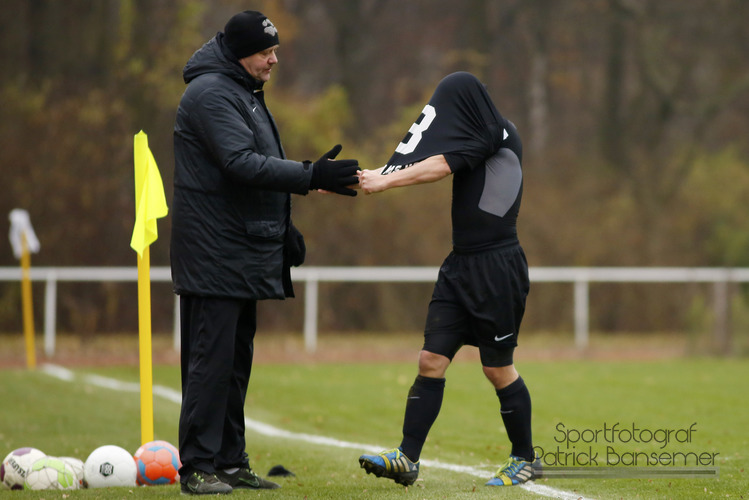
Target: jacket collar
(215, 57)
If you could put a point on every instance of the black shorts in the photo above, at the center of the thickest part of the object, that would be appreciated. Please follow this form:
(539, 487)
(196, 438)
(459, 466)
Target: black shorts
(479, 300)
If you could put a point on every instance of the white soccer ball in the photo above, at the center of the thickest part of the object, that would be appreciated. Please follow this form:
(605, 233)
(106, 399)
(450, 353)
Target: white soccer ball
(109, 465)
(77, 465)
(50, 473)
(15, 465)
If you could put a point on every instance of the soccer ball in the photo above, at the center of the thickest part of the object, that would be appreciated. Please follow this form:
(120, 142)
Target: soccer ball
(109, 465)
(77, 465)
(50, 473)
(158, 463)
(15, 465)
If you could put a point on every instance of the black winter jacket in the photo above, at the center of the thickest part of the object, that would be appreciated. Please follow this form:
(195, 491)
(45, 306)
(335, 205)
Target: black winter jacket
(232, 184)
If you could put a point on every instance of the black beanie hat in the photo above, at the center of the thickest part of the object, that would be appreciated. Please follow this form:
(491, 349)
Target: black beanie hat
(249, 32)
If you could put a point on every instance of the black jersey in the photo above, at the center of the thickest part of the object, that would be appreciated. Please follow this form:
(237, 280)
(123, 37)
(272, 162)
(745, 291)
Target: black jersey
(484, 152)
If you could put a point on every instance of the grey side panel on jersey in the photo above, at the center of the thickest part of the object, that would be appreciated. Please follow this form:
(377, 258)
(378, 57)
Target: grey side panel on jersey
(504, 177)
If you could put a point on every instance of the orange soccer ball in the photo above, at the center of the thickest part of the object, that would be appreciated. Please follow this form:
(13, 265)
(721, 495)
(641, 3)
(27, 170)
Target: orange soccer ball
(157, 463)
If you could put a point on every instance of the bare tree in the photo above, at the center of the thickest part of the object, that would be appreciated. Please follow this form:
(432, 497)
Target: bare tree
(663, 92)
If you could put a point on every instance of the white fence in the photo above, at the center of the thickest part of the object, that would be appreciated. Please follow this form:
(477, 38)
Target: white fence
(579, 277)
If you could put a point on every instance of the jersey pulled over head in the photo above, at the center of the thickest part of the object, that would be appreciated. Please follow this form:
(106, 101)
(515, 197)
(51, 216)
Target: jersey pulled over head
(459, 118)
(484, 152)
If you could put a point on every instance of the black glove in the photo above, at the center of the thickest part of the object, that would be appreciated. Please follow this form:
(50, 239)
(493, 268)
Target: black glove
(294, 248)
(333, 175)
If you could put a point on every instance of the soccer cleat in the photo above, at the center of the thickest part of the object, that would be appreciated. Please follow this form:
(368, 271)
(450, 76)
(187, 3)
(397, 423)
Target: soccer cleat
(246, 478)
(204, 483)
(515, 471)
(392, 464)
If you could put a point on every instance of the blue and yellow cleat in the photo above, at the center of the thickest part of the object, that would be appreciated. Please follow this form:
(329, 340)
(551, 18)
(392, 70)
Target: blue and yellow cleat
(515, 471)
(392, 464)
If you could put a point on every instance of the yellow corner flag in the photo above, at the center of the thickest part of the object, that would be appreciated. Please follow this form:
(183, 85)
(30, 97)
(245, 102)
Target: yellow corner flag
(150, 204)
(24, 241)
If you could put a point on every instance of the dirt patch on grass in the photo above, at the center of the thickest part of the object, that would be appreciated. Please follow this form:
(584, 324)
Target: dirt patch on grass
(274, 347)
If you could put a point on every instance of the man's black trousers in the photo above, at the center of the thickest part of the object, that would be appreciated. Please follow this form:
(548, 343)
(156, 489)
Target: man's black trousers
(217, 346)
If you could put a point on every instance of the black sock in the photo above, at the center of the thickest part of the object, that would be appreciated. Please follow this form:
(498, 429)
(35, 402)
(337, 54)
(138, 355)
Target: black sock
(515, 407)
(422, 407)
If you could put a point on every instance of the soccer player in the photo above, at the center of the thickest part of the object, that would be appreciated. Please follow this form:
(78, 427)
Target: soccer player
(233, 241)
(479, 297)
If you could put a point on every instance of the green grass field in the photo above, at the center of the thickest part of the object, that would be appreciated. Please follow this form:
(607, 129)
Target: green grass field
(363, 403)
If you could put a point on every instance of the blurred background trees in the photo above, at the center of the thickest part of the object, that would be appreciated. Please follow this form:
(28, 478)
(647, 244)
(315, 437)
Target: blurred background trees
(634, 115)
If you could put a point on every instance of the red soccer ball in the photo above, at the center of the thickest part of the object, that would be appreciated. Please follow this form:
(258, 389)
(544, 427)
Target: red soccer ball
(157, 463)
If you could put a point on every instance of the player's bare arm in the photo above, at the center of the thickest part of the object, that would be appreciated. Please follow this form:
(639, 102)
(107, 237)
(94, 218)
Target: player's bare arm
(428, 170)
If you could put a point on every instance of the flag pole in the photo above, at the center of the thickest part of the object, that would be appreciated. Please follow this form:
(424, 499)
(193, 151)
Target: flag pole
(26, 298)
(150, 204)
(144, 342)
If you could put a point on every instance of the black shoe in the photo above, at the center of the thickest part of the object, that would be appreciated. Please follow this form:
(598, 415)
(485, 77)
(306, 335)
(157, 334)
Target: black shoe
(245, 478)
(204, 483)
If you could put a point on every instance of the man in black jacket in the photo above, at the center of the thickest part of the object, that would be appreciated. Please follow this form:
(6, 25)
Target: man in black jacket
(233, 241)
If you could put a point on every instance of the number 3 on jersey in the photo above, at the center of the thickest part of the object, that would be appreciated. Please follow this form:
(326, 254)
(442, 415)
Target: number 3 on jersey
(416, 130)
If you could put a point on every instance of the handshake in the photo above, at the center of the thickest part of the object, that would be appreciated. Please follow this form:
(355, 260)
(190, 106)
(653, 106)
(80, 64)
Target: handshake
(345, 176)
(335, 176)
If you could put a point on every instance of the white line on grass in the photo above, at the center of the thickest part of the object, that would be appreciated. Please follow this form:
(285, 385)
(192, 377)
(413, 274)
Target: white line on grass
(268, 430)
